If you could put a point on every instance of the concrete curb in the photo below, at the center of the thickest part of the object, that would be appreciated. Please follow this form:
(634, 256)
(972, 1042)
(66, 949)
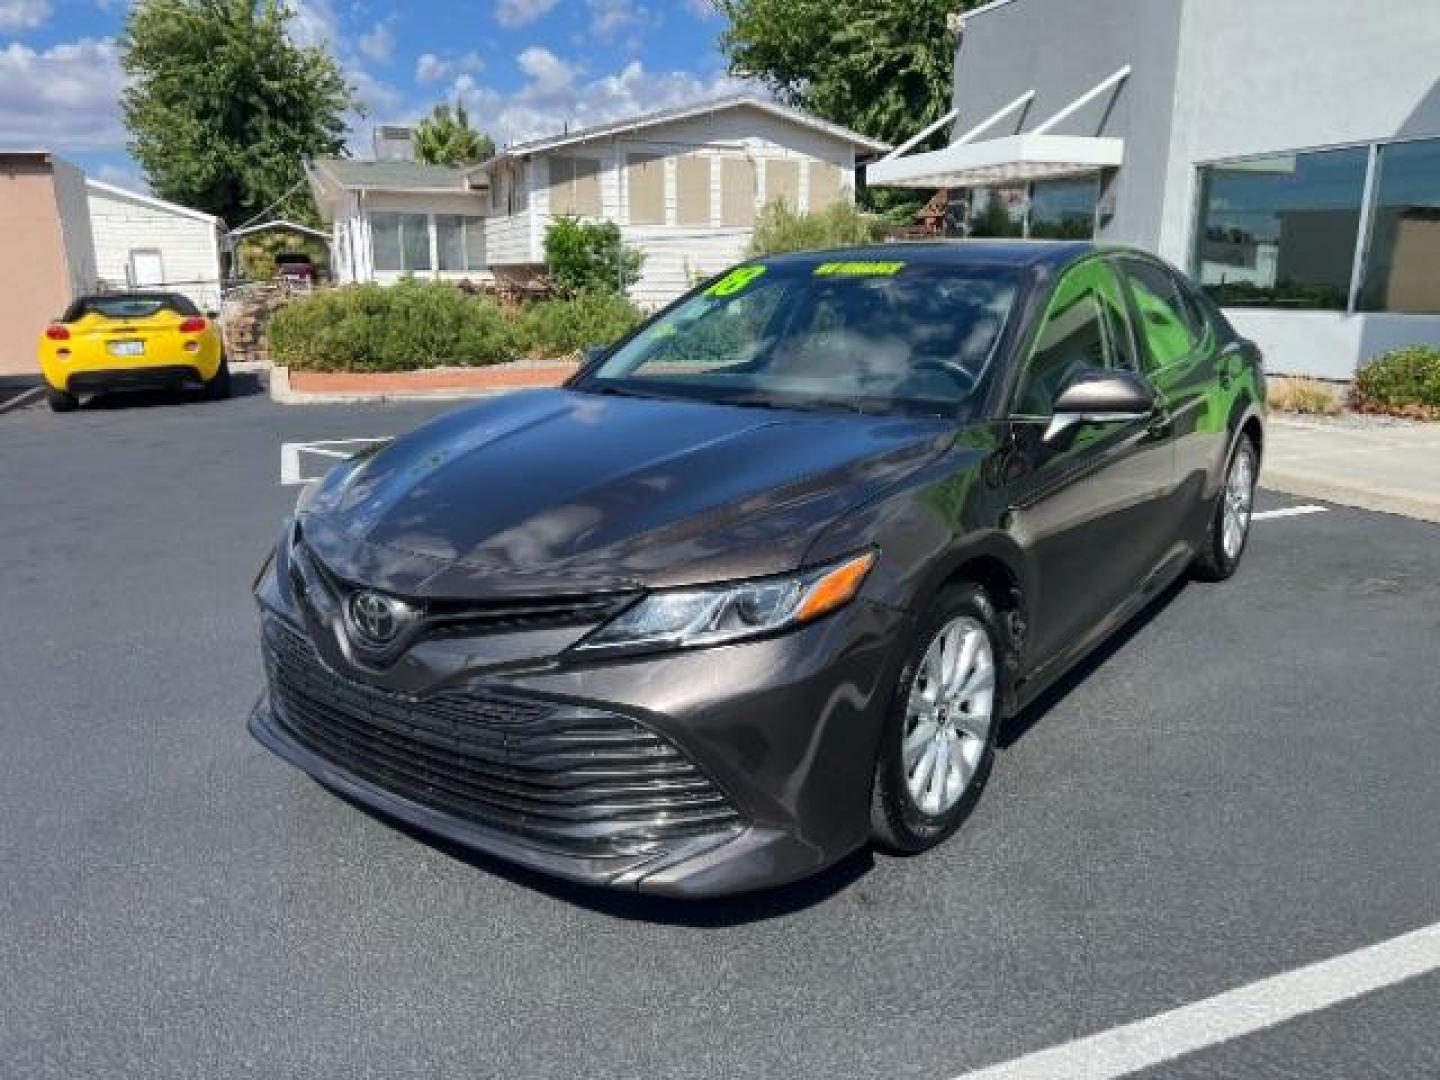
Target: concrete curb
(1309, 485)
(282, 391)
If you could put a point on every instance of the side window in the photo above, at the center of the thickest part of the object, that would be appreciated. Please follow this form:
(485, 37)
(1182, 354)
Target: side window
(1167, 317)
(1085, 326)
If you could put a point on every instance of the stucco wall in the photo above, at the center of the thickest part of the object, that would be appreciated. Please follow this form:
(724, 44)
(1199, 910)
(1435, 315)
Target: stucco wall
(1061, 50)
(34, 283)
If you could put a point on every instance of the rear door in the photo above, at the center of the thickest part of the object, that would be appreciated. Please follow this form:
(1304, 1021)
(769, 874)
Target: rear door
(1087, 508)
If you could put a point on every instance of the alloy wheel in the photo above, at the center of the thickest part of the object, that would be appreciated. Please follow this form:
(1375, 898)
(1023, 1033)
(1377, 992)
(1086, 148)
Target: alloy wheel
(1239, 501)
(948, 716)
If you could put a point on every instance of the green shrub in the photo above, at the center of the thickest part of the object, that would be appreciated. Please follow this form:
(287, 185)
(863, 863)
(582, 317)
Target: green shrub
(779, 229)
(373, 328)
(554, 328)
(1404, 382)
(588, 256)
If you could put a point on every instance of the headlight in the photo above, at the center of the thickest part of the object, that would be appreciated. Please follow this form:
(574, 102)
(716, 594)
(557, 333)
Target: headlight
(682, 618)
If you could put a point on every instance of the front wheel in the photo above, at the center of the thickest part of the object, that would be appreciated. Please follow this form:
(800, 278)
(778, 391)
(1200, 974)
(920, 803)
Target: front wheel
(1229, 530)
(939, 739)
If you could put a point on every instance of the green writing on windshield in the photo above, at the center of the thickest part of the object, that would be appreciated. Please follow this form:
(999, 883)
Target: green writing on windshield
(859, 269)
(735, 281)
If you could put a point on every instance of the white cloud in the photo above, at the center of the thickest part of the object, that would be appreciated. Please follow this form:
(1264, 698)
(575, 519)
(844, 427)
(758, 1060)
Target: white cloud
(379, 43)
(129, 179)
(608, 18)
(548, 103)
(549, 75)
(314, 22)
(23, 14)
(65, 96)
(514, 13)
(431, 68)
(702, 9)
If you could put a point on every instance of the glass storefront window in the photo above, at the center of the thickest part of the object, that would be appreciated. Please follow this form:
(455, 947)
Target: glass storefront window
(997, 212)
(1402, 269)
(1281, 231)
(1064, 209)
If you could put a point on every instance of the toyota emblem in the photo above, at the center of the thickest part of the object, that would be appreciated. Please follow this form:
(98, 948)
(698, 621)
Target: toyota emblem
(377, 620)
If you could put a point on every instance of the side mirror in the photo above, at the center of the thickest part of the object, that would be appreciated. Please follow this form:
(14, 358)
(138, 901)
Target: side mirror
(1101, 396)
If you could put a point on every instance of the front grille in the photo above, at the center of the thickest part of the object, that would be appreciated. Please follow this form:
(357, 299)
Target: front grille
(578, 781)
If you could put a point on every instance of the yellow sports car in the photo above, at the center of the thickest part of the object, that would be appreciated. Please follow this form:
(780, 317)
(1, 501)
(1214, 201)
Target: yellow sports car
(130, 340)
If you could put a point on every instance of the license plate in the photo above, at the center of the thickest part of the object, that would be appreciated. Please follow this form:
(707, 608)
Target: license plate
(127, 348)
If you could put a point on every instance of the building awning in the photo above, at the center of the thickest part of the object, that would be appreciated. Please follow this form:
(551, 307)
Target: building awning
(1013, 159)
(1010, 159)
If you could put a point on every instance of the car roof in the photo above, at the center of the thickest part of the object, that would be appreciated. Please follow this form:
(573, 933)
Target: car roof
(1024, 254)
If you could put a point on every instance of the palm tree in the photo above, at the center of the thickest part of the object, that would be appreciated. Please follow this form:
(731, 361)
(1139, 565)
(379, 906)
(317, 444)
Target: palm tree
(445, 137)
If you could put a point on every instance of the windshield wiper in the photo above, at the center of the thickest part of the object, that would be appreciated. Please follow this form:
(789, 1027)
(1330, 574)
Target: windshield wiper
(761, 402)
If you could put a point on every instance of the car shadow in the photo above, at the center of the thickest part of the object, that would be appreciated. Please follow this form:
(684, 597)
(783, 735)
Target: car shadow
(640, 907)
(1018, 726)
(243, 384)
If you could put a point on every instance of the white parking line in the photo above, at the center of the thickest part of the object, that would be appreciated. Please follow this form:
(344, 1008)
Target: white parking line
(1227, 1016)
(291, 471)
(1288, 511)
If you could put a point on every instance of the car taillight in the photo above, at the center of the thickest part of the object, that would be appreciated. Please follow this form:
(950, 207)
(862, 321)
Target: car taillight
(193, 326)
(56, 332)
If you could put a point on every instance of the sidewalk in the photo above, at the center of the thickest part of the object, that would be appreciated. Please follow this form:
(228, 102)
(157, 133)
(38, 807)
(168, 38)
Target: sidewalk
(1374, 463)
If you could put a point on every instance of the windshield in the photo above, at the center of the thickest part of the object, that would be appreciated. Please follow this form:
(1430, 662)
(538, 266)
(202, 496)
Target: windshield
(869, 335)
(128, 307)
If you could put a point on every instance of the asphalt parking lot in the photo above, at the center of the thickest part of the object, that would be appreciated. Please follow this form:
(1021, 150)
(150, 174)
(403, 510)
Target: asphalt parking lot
(1243, 785)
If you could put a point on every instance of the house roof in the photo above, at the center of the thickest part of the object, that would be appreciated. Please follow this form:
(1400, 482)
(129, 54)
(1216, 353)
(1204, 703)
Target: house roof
(683, 112)
(390, 175)
(151, 201)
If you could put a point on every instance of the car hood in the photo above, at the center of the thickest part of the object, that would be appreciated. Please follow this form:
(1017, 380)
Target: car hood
(557, 491)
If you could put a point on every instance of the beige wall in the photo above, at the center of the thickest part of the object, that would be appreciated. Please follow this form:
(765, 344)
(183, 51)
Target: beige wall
(34, 282)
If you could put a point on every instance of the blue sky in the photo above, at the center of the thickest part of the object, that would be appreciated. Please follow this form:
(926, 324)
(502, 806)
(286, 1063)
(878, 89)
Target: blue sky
(524, 67)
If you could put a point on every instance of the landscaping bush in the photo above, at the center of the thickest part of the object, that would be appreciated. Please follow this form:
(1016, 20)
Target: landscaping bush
(1310, 397)
(1403, 382)
(551, 328)
(406, 326)
(588, 256)
(779, 229)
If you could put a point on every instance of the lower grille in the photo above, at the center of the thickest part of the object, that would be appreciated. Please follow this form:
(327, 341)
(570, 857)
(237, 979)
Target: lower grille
(579, 781)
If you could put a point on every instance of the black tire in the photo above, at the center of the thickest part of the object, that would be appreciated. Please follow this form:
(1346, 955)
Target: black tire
(898, 823)
(218, 388)
(1213, 562)
(62, 400)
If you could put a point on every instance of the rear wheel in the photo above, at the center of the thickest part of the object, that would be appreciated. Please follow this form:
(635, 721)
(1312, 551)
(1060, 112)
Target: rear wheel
(219, 387)
(62, 400)
(1230, 526)
(939, 739)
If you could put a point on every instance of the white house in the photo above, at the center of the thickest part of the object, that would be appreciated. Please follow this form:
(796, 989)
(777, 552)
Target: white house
(684, 185)
(143, 242)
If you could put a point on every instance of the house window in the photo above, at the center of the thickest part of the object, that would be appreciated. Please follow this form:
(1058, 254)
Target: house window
(1064, 209)
(147, 267)
(400, 243)
(692, 190)
(737, 192)
(782, 183)
(516, 200)
(645, 182)
(824, 185)
(460, 243)
(1401, 269)
(574, 186)
(1281, 231)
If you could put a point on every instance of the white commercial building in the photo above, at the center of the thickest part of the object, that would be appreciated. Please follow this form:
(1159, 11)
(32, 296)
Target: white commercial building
(1286, 153)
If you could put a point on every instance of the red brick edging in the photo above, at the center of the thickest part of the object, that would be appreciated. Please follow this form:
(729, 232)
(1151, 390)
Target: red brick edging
(431, 380)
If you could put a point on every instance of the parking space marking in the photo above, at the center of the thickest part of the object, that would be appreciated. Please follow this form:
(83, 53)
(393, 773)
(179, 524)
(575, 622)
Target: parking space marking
(21, 399)
(291, 467)
(1288, 511)
(1230, 1015)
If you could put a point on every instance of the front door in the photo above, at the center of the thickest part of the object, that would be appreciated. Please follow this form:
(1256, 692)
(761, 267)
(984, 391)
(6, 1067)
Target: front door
(1088, 507)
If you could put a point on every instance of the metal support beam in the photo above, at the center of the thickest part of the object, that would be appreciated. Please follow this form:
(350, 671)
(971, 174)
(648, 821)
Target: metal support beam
(995, 117)
(916, 140)
(1083, 100)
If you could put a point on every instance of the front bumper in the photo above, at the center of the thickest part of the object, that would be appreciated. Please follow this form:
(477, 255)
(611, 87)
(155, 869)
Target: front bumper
(784, 731)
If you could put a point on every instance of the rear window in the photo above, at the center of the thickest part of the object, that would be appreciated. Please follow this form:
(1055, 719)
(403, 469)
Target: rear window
(129, 307)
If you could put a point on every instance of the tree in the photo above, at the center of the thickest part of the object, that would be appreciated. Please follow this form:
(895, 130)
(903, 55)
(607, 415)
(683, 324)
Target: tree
(223, 107)
(445, 137)
(883, 68)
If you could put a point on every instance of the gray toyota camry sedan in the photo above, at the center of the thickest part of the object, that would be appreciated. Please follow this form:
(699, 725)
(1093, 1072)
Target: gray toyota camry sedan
(759, 586)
